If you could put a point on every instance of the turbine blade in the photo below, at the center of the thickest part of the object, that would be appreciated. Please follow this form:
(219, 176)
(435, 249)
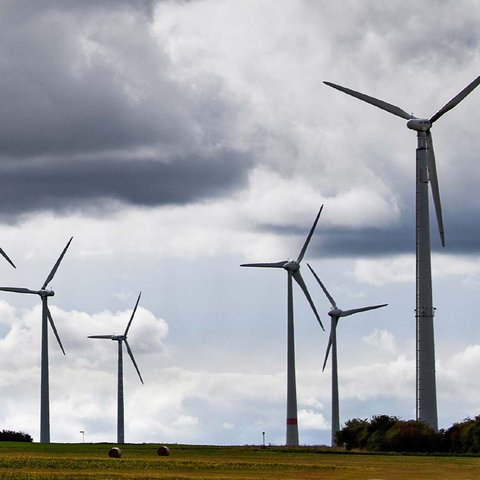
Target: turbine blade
(133, 314)
(373, 101)
(432, 173)
(129, 350)
(456, 100)
(50, 319)
(307, 241)
(54, 269)
(327, 353)
(18, 290)
(109, 337)
(298, 278)
(346, 313)
(330, 298)
(334, 324)
(267, 265)
(7, 258)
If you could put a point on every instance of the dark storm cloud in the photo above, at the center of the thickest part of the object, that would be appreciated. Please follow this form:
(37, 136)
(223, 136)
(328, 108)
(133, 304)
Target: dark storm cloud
(68, 185)
(461, 233)
(398, 240)
(88, 79)
(365, 242)
(350, 242)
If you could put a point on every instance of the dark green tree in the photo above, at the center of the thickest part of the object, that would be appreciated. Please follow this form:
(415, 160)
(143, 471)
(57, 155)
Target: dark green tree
(377, 429)
(383, 433)
(412, 436)
(11, 436)
(353, 435)
(463, 437)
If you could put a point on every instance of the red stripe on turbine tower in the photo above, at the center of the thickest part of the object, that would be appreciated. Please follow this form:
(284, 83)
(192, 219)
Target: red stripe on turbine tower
(292, 421)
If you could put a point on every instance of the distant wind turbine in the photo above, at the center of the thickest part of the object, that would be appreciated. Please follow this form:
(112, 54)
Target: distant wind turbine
(426, 171)
(122, 339)
(293, 271)
(46, 317)
(335, 314)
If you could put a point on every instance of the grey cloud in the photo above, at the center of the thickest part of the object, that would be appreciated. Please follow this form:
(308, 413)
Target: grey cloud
(85, 84)
(82, 80)
(446, 32)
(375, 242)
(348, 242)
(462, 236)
(65, 185)
(71, 84)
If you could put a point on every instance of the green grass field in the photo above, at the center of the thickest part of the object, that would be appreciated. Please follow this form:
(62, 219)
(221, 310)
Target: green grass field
(33, 461)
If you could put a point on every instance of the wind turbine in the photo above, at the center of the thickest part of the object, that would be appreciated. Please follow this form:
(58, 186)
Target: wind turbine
(44, 293)
(426, 395)
(122, 339)
(335, 314)
(293, 270)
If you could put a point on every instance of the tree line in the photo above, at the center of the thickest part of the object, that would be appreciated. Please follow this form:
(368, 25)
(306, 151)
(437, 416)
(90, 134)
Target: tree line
(383, 433)
(11, 436)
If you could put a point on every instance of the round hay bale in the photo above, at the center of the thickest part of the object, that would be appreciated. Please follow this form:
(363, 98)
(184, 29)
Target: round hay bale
(114, 452)
(163, 451)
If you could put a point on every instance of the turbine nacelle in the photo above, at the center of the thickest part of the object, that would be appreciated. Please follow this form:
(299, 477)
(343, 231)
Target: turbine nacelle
(419, 124)
(335, 313)
(46, 293)
(118, 338)
(292, 266)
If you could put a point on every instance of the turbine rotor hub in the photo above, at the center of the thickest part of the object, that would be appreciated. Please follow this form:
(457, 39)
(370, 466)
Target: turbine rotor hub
(292, 267)
(419, 124)
(46, 293)
(335, 313)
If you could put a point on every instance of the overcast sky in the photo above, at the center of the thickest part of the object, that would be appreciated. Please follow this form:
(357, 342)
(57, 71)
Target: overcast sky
(175, 140)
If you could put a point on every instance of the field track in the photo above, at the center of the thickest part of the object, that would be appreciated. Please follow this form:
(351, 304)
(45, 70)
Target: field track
(33, 461)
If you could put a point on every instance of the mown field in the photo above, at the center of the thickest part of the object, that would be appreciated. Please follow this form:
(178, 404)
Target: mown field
(26, 461)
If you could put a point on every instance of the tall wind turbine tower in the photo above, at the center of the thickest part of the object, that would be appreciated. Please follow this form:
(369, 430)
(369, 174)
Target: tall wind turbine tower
(44, 293)
(335, 314)
(426, 171)
(120, 404)
(293, 272)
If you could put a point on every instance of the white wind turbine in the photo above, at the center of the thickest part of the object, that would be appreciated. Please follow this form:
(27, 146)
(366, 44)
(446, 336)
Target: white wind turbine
(122, 339)
(426, 171)
(293, 270)
(44, 293)
(335, 314)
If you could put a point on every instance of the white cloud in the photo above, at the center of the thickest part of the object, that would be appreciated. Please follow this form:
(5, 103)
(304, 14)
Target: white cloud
(185, 421)
(467, 267)
(311, 420)
(382, 339)
(380, 271)
(393, 379)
